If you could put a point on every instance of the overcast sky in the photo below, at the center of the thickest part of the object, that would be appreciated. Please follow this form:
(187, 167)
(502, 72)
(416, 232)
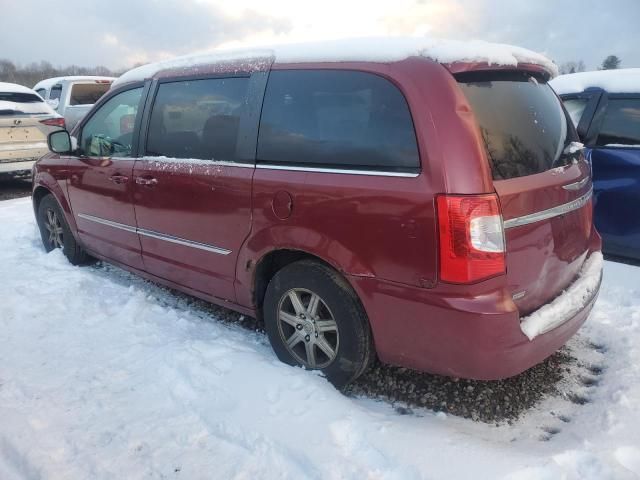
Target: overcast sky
(120, 33)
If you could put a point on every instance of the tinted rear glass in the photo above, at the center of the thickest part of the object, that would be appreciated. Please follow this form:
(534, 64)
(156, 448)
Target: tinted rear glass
(621, 125)
(19, 97)
(521, 120)
(15, 103)
(335, 118)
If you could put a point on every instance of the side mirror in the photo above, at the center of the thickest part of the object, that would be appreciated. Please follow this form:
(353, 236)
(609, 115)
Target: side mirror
(60, 142)
(53, 103)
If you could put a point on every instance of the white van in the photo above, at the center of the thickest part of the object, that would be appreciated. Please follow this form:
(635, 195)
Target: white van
(72, 97)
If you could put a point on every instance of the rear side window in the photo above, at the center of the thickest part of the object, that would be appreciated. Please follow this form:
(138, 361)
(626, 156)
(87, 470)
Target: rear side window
(197, 119)
(339, 119)
(522, 122)
(87, 93)
(621, 124)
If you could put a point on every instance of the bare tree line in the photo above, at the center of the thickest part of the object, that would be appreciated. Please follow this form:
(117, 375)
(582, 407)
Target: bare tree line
(29, 75)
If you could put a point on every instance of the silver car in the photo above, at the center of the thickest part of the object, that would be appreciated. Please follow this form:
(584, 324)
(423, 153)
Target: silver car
(25, 122)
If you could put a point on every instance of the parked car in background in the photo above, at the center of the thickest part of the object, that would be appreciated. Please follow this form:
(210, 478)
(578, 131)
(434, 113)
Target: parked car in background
(72, 97)
(605, 107)
(432, 214)
(25, 122)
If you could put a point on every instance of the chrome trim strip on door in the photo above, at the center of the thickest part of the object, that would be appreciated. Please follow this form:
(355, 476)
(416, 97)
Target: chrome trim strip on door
(264, 166)
(108, 223)
(577, 185)
(550, 213)
(182, 241)
(157, 235)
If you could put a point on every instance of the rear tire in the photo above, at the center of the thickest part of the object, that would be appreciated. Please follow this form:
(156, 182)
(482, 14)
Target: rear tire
(314, 319)
(55, 231)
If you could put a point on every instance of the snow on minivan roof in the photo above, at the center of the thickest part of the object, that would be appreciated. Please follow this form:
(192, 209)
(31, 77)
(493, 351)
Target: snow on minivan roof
(626, 80)
(49, 82)
(381, 50)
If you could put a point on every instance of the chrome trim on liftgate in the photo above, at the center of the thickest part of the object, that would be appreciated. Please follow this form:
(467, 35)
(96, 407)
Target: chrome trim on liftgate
(157, 235)
(550, 213)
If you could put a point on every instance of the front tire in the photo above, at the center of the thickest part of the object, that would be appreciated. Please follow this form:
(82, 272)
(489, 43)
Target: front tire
(55, 231)
(315, 320)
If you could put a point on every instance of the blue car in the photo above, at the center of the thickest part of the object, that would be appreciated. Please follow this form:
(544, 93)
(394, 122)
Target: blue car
(605, 107)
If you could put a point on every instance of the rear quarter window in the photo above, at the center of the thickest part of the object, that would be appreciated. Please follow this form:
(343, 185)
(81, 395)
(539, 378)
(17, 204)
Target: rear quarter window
(336, 119)
(524, 127)
(621, 123)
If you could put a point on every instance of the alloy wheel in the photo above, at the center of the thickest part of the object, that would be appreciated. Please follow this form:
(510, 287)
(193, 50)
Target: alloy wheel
(308, 328)
(54, 227)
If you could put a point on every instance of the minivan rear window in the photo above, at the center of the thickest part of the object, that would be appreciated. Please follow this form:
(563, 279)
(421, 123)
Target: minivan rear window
(336, 119)
(522, 122)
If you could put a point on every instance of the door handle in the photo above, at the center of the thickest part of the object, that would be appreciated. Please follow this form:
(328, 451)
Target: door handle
(119, 178)
(148, 181)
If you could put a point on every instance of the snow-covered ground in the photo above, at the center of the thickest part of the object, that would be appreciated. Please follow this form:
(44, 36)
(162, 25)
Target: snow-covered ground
(104, 375)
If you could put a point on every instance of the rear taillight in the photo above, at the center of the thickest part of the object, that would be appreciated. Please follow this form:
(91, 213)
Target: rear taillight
(54, 122)
(471, 238)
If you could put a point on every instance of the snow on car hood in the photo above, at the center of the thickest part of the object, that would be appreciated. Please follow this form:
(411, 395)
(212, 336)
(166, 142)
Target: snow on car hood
(383, 49)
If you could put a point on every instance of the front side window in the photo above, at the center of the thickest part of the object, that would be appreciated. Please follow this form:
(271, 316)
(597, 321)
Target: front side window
(109, 132)
(621, 124)
(336, 118)
(521, 120)
(197, 119)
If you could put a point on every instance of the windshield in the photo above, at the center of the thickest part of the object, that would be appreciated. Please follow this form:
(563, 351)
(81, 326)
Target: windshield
(523, 124)
(16, 103)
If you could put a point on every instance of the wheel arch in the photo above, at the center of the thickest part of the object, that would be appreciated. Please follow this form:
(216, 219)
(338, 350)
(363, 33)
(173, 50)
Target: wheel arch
(45, 184)
(271, 263)
(38, 194)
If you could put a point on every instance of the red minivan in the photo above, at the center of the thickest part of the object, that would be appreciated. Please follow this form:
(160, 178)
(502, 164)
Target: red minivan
(434, 214)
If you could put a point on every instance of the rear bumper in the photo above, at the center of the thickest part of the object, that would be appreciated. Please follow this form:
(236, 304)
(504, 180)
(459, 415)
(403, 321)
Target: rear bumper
(477, 336)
